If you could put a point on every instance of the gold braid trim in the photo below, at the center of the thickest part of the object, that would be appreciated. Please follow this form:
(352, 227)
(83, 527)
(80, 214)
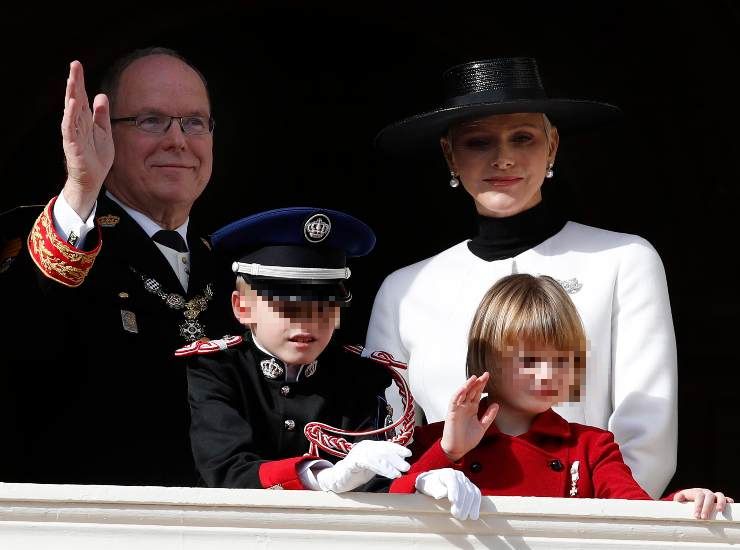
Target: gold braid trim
(55, 258)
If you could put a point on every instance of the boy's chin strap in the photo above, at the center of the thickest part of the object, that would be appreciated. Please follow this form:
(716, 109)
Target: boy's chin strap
(337, 445)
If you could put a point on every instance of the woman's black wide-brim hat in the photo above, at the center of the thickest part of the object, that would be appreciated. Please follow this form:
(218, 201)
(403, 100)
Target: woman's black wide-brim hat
(493, 87)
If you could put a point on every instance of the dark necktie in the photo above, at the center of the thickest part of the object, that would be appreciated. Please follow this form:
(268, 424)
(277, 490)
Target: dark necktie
(170, 239)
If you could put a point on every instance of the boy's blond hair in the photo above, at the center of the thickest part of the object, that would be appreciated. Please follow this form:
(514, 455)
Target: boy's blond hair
(242, 286)
(525, 308)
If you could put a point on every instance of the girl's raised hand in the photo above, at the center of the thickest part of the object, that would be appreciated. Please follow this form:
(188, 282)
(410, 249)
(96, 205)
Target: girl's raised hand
(463, 429)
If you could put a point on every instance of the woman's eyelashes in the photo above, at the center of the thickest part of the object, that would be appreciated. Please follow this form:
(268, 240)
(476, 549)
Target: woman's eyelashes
(476, 143)
(483, 142)
(522, 138)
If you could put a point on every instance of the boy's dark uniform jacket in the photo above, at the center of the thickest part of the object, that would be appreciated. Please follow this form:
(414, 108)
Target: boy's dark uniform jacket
(247, 427)
(99, 396)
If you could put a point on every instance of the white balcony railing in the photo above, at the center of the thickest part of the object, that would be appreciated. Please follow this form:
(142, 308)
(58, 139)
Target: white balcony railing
(140, 518)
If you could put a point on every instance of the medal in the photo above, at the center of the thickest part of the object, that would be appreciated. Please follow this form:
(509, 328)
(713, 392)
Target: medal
(128, 320)
(191, 330)
(128, 317)
(574, 479)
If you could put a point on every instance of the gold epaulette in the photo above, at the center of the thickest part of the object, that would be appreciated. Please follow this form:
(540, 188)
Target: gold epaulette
(55, 258)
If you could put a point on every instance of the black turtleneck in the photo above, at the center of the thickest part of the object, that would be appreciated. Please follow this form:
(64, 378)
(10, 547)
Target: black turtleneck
(501, 238)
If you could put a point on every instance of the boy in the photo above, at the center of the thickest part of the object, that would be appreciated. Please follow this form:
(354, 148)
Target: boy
(251, 396)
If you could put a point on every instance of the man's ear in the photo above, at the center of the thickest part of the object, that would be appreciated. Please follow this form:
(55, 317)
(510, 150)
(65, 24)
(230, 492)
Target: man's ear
(241, 305)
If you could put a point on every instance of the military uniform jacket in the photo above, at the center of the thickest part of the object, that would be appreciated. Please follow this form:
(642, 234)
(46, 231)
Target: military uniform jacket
(100, 396)
(553, 459)
(247, 421)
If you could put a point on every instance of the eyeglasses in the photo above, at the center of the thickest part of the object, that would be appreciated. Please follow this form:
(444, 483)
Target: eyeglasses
(160, 124)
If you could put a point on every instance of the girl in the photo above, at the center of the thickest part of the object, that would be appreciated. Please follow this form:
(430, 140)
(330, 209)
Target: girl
(527, 350)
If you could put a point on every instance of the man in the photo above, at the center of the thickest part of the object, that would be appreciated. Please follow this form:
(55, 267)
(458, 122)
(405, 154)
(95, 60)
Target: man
(126, 282)
(13, 224)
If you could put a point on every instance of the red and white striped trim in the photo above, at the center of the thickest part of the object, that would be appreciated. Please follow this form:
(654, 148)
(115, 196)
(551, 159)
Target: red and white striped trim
(337, 445)
(203, 347)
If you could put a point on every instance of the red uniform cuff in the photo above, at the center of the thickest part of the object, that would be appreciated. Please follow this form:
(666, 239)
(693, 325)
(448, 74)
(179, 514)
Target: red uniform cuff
(56, 258)
(282, 474)
(433, 458)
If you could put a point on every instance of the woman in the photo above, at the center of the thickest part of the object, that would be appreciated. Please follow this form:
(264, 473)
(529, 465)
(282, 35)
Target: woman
(499, 133)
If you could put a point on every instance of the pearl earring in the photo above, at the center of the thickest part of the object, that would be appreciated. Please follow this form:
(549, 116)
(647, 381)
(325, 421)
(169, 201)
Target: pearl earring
(454, 180)
(550, 173)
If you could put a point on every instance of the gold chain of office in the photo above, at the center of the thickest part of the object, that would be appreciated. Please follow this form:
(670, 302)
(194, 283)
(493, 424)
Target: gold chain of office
(190, 329)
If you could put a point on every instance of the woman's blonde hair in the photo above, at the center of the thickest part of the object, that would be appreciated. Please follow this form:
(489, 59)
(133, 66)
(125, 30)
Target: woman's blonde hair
(525, 308)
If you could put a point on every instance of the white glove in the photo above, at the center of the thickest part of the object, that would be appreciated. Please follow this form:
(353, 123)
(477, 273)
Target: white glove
(453, 484)
(366, 459)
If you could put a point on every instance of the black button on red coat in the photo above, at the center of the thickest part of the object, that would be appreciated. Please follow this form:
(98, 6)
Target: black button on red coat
(476, 467)
(556, 465)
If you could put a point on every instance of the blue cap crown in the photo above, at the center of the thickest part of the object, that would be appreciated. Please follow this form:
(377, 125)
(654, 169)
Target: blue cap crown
(296, 253)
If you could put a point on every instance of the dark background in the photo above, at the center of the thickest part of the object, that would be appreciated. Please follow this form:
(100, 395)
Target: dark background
(300, 89)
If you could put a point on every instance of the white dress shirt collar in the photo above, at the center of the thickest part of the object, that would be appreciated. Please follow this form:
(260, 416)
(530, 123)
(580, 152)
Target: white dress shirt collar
(149, 226)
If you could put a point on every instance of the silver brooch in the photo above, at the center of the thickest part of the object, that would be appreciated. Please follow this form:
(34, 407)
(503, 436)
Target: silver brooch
(317, 228)
(571, 286)
(310, 369)
(271, 368)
